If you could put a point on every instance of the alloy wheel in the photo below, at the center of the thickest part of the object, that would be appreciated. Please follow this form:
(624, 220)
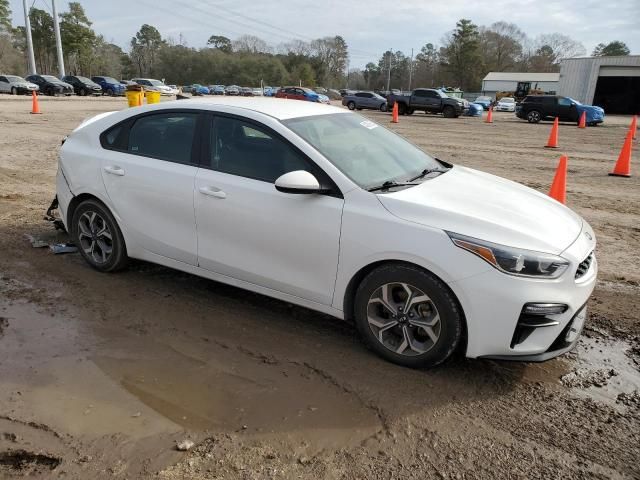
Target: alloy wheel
(404, 319)
(95, 237)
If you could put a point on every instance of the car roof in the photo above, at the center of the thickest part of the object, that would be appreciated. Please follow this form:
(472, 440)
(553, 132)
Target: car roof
(282, 109)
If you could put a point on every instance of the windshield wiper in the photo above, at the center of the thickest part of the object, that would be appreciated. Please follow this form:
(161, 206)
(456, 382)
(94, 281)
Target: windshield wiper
(426, 172)
(390, 184)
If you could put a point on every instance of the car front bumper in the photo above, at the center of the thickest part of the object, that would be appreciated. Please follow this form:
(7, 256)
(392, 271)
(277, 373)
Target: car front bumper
(493, 303)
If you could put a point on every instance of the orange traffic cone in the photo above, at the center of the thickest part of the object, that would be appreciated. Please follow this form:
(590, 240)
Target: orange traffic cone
(394, 113)
(583, 120)
(35, 108)
(553, 136)
(559, 186)
(489, 118)
(623, 165)
(634, 126)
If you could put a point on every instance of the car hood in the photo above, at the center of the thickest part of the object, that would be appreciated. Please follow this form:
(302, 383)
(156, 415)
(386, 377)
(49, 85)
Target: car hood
(487, 207)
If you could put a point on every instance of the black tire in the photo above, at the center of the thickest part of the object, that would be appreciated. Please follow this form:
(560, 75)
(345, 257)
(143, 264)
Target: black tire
(409, 111)
(117, 258)
(534, 116)
(82, 92)
(14, 91)
(49, 92)
(111, 92)
(402, 109)
(448, 112)
(450, 315)
(383, 107)
(351, 105)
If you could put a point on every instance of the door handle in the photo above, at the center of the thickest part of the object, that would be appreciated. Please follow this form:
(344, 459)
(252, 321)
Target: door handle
(113, 170)
(213, 192)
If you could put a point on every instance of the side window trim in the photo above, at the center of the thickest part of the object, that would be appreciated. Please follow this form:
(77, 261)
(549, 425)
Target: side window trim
(207, 152)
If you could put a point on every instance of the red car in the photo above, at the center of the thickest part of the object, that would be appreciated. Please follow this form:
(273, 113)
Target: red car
(301, 93)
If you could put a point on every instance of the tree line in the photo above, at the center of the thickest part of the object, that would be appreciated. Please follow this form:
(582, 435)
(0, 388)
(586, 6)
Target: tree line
(464, 57)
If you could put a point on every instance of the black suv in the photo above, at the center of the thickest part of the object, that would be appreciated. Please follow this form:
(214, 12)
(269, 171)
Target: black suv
(82, 85)
(50, 85)
(535, 108)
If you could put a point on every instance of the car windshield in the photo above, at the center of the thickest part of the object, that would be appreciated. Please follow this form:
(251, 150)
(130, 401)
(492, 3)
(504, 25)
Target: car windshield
(508, 100)
(110, 80)
(574, 101)
(14, 78)
(84, 79)
(483, 99)
(156, 83)
(50, 78)
(364, 151)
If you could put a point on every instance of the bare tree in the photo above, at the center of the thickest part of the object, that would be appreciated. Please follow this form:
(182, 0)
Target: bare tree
(251, 44)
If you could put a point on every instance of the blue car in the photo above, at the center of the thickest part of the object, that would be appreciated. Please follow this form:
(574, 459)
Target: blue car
(475, 110)
(218, 90)
(197, 89)
(484, 101)
(110, 86)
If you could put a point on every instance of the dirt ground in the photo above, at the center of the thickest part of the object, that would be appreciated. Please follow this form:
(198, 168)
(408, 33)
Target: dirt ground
(101, 375)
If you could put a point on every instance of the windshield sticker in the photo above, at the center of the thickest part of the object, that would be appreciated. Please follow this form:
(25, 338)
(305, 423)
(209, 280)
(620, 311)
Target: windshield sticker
(368, 124)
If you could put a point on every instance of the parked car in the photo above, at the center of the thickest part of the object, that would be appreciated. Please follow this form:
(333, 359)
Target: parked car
(110, 86)
(429, 100)
(198, 90)
(320, 90)
(257, 92)
(16, 85)
(473, 110)
(506, 104)
(484, 101)
(535, 108)
(270, 91)
(367, 100)
(346, 91)
(301, 93)
(424, 256)
(232, 90)
(154, 85)
(82, 85)
(218, 90)
(334, 94)
(50, 85)
(246, 92)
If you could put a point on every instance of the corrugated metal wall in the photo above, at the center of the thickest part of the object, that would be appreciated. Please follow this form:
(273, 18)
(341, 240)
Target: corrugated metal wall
(579, 76)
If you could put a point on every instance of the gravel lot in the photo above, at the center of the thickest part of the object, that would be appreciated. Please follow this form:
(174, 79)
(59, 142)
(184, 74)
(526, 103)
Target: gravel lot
(102, 375)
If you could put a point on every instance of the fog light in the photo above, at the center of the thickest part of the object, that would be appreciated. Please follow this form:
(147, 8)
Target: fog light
(544, 308)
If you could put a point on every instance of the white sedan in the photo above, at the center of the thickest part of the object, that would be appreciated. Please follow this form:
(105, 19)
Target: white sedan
(320, 207)
(506, 104)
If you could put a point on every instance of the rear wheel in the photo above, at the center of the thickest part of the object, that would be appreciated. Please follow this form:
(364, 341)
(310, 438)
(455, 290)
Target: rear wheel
(98, 237)
(408, 316)
(351, 105)
(402, 108)
(534, 116)
(14, 91)
(111, 92)
(448, 112)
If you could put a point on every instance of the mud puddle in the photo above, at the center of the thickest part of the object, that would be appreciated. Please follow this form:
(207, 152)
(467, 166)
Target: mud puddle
(605, 370)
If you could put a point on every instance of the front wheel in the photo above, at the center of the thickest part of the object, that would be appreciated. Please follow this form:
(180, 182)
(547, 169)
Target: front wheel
(14, 91)
(408, 316)
(351, 105)
(448, 112)
(82, 92)
(98, 237)
(383, 107)
(402, 109)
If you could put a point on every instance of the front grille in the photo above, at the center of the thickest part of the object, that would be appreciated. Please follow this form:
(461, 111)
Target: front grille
(584, 266)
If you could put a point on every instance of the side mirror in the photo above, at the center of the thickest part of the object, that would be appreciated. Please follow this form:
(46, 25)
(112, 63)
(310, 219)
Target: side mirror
(299, 181)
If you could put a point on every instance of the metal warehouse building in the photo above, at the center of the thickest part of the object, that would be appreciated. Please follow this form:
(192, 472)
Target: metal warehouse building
(612, 83)
(508, 82)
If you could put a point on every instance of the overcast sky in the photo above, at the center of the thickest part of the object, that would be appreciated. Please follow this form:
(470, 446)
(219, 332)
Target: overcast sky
(369, 26)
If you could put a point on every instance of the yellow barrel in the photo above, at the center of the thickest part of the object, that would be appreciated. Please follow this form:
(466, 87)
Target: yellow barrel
(134, 98)
(152, 97)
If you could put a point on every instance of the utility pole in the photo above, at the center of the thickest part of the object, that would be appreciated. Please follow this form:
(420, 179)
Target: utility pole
(389, 71)
(27, 26)
(410, 69)
(56, 28)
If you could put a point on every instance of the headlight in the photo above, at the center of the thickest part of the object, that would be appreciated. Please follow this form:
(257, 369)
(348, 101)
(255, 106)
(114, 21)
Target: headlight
(513, 261)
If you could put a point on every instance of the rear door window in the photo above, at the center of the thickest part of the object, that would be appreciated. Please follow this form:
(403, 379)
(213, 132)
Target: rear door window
(165, 136)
